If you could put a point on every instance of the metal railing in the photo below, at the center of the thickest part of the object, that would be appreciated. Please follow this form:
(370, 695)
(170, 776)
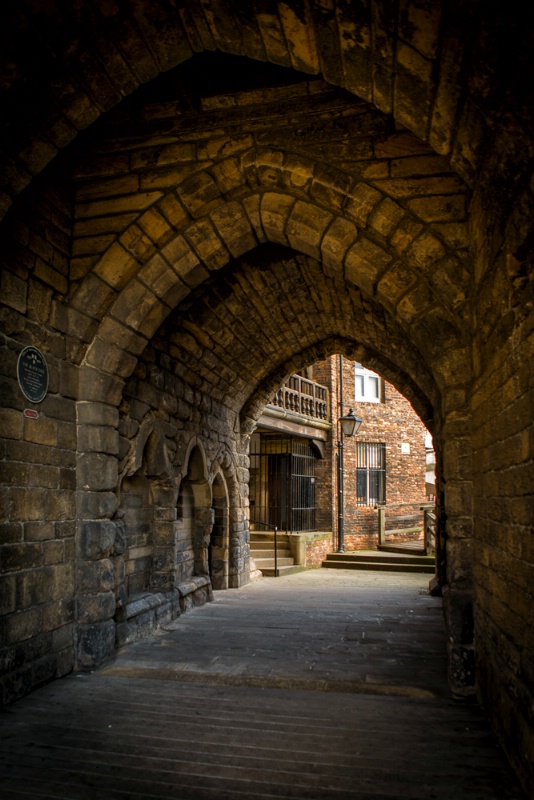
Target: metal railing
(275, 531)
(303, 396)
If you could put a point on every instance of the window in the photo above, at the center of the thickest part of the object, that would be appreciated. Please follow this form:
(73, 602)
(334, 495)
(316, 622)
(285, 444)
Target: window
(370, 473)
(368, 385)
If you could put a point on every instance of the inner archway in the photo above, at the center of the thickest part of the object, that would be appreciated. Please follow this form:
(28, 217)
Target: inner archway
(219, 544)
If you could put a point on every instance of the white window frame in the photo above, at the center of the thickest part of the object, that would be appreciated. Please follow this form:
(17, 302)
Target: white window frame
(367, 385)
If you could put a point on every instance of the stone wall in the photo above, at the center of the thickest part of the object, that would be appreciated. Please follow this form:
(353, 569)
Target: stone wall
(38, 465)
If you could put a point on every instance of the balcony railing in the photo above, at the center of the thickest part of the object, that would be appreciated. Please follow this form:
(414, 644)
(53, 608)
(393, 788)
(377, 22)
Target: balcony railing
(304, 397)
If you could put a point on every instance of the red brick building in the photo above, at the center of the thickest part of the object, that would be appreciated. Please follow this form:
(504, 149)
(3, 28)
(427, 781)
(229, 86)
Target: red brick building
(294, 457)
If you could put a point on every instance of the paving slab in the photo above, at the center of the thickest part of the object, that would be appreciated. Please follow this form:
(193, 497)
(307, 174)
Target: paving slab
(319, 685)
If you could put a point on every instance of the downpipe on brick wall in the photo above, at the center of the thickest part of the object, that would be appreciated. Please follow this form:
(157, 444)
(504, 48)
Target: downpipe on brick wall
(348, 425)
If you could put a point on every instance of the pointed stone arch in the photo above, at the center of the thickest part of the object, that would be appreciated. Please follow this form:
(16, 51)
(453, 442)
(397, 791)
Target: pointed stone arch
(219, 542)
(194, 514)
(415, 65)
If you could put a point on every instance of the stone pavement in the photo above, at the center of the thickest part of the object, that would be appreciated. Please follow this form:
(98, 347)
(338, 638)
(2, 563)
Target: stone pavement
(320, 685)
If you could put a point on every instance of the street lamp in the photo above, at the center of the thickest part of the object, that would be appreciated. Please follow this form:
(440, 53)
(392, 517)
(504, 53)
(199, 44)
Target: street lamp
(349, 425)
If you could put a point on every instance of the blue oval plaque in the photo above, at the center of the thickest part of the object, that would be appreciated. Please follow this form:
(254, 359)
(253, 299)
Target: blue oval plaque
(32, 373)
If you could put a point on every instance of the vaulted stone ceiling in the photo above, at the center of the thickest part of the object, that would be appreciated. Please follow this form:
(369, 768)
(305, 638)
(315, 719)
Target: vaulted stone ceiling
(166, 203)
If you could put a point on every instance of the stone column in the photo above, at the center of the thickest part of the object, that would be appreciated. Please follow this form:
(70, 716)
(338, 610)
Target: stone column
(204, 522)
(456, 545)
(164, 539)
(98, 535)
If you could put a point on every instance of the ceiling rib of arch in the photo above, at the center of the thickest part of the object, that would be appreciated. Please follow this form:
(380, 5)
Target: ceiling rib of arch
(238, 336)
(373, 243)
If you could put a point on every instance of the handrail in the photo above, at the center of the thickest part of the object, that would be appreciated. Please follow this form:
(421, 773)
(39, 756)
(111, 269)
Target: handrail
(429, 523)
(275, 531)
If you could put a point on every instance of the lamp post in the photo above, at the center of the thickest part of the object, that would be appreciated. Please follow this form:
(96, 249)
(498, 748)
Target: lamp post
(349, 425)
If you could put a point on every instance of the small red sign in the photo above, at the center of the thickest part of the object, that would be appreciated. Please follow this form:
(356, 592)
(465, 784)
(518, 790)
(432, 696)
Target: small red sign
(30, 413)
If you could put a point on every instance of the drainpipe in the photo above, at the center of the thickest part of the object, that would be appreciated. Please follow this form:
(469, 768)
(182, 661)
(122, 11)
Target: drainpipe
(340, 487)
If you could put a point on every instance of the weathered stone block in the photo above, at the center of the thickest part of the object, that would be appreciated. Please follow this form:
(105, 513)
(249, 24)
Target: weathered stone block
(96, 505)
(207, 245)
(11, 423)
(462, 670)
(306, 227)
(67, 479)
(13, 291)
(97, 385)
(98, 439)
(95, 608)
(28, 504)
(234, 228)
(60, 505)
(11, 533)
(21, 556)
(7, 595)
(57, 614)
(97, 539)
(95, 576)
(53, 552)
(95, 644)
(364, 262)
(97, 472)
(97, 414)
(110, 358)
(22, 625)
(426, 250)
(458, 609)
(199, 192)
(62, 638)
(65, 529)
(35, 587)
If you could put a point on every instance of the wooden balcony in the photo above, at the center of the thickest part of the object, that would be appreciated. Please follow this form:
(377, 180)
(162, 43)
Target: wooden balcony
(304, 397)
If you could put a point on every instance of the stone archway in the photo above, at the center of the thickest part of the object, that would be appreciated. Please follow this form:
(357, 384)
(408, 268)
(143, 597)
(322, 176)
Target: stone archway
(219, 544)
(94, 288)
(194, 517)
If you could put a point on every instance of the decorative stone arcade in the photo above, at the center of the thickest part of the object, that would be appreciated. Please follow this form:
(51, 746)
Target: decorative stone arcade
(183, 229)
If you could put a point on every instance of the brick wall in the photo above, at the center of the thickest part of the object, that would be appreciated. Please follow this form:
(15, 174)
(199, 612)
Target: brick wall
(394, 423)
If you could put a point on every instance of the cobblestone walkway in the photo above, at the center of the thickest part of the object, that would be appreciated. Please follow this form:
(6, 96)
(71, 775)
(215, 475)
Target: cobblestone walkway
(316, 686)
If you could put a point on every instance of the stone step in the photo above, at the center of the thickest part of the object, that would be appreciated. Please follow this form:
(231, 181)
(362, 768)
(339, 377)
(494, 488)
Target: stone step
(268, 536)
(380, 562)
(269, 553)
(375, 565)
(382, 557)
(265, 563)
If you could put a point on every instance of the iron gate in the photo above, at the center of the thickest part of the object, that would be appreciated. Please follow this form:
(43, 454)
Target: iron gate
(282, 483)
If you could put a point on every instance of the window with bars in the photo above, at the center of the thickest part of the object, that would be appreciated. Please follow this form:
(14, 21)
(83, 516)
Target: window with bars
(370, 473)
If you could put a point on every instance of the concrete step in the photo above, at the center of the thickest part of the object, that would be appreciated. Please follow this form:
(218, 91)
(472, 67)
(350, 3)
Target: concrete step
(372, 560)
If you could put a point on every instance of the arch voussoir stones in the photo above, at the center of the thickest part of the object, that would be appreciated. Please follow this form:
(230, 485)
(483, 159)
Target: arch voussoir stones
(306, 226)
